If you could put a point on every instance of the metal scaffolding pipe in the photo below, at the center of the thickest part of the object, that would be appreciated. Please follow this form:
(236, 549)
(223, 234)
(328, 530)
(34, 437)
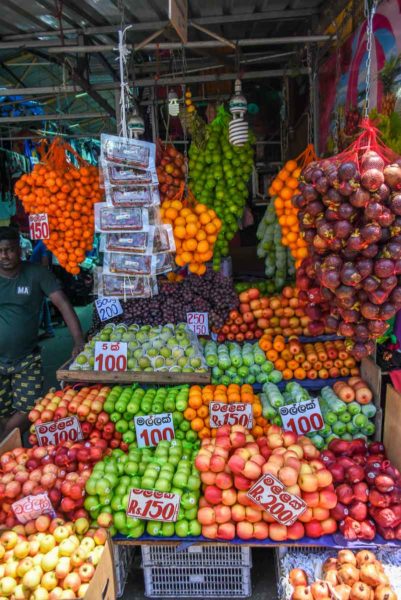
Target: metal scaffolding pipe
(54, 117)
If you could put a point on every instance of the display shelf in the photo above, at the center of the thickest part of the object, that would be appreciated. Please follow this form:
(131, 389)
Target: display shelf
(326, 541)
(154, 377)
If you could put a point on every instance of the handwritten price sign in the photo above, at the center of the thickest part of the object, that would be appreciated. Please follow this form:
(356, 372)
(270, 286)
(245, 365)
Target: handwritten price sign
(31, 507)
(57, 432)
(157, 506)
(272, 496)
(39, 227)
(303, 417)
(230, 414)
(107, 308)
(198, 322)
(110, 356)
(152, 429)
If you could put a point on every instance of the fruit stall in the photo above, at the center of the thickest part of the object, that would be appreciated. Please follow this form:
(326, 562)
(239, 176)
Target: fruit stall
(213, 413)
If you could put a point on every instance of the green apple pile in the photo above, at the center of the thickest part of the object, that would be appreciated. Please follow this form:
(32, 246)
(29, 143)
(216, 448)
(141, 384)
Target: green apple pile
(125, 403)
(218, 177)
(239, 363)
(168, 347)
(167, 468)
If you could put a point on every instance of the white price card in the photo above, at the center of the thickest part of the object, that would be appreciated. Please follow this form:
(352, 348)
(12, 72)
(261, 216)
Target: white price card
(151, 429)
(31, 507)
(149, 504)
(39, 226)
(111, 356)
(198, 322)
(274, 498)
(302, 417)
(54, 433)
(231, 414)
(107, 308)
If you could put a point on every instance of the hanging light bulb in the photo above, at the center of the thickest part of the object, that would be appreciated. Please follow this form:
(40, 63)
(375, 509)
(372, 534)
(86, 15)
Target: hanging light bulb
(238, 128)
(136, 124)
(173, 106)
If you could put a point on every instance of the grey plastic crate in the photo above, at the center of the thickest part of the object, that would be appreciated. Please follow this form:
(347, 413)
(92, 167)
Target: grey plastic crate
(123, 559)
(207, 555)
(197, 582)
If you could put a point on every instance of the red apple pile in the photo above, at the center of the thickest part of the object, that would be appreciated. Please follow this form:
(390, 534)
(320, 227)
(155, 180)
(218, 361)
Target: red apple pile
(87, 404)
(233, 461)
(347, 576)
(49, 559)
(60, 471)
(368, 489)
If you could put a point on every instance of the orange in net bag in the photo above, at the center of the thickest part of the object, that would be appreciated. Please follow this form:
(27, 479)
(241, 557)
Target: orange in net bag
(195, 228)
(67, 194)
(283, 188)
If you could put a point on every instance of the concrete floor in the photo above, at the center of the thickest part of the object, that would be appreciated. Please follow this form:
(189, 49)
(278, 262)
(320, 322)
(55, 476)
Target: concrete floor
(56, 351)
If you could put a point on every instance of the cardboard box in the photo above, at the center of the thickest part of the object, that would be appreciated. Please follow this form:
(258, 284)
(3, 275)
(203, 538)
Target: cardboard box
(392, 426)
(103, 584)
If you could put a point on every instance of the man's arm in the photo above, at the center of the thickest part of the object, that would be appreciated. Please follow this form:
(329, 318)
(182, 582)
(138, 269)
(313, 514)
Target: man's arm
(69, 315)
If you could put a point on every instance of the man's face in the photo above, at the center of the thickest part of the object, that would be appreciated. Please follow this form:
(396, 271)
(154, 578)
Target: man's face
(10, 255)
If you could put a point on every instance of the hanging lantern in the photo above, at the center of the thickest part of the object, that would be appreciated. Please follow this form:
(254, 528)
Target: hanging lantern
(238, 128)
(136, 124)
(173, 106)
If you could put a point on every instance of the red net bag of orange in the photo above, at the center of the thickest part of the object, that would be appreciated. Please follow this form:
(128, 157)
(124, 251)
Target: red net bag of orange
(350, 217)
(284, 188)
(67, 194)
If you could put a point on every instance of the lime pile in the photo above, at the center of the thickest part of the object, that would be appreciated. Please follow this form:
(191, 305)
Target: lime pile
(218, 177)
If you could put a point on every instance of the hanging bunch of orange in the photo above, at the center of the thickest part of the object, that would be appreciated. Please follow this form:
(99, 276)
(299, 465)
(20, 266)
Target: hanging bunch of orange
(195, 228)
(283, 188)
(197, 412)
(67, 194)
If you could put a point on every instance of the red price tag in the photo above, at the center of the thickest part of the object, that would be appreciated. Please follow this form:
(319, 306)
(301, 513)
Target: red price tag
(58, 432)
(39, 227)
(111, 356)
(152, 429)
(198, 322)
(273, 497)
(157, 506)
(31, 507)
(231, 414)
(303, 417)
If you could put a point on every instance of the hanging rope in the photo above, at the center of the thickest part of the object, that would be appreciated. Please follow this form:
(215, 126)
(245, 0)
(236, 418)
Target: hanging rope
(369, 14)
(311, 103)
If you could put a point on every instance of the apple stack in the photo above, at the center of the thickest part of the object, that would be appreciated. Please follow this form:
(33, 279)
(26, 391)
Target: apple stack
(59, 471)
(233, 461)
(346, 576)
(48, 559)
(368, 488)
(87, 404)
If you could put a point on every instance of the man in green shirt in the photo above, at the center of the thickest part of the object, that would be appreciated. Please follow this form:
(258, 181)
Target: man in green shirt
(23, 286)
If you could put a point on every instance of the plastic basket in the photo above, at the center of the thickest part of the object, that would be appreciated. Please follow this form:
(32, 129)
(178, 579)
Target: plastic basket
(197, 582)
(123, 559)
(208, 555)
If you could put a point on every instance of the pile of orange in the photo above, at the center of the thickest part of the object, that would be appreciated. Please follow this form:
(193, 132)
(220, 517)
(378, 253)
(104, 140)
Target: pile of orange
(197, 411)
(195, 228)
(283, 188)
(67, 194)
(320, 360)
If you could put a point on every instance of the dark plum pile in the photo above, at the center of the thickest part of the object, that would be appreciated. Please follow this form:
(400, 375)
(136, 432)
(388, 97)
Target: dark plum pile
(212, 293)
(350, 216)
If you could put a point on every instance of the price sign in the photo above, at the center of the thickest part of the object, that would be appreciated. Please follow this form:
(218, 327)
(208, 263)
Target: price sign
(58, 432)
(273, 497)
(31, 507)
(152, 429)
(303, 417)
(198, 322)
(110, 356)
(107, 308)
(39, 227)
(157, 506)
(230, 414)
